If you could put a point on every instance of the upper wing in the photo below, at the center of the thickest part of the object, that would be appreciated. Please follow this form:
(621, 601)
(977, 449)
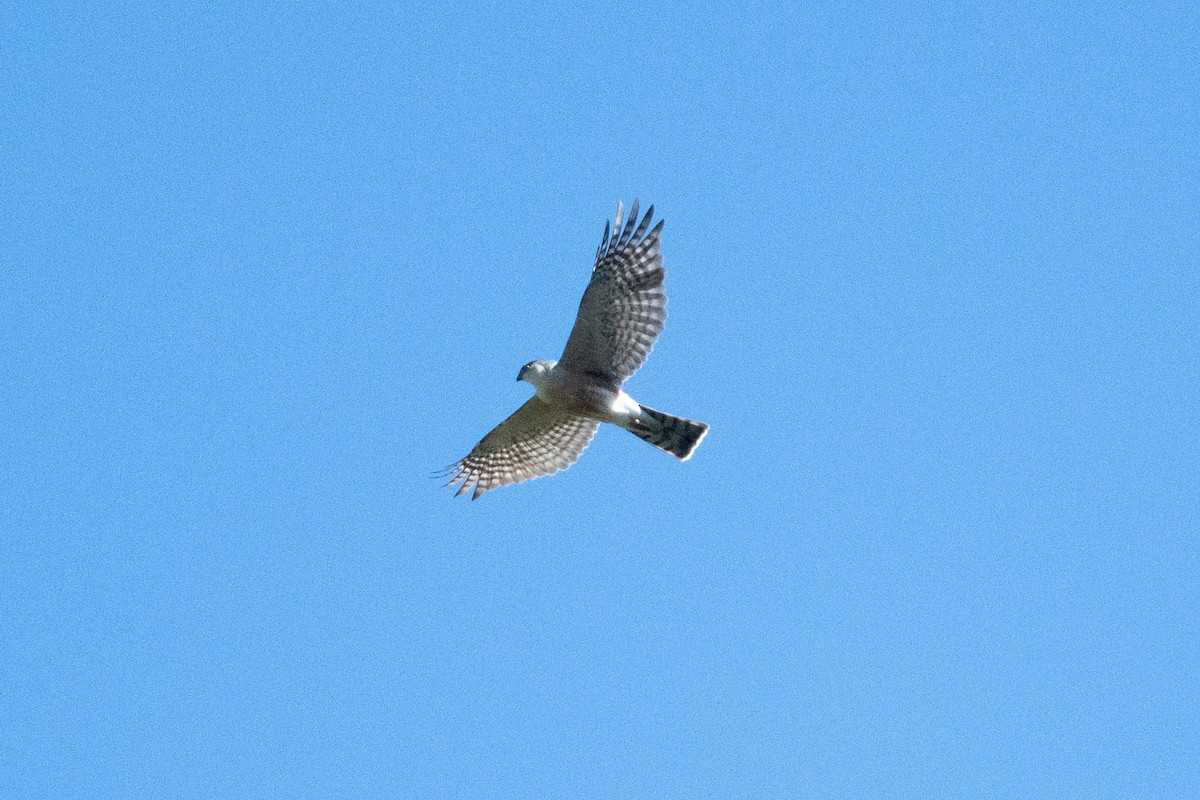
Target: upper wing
(537, 440)
(624, 307)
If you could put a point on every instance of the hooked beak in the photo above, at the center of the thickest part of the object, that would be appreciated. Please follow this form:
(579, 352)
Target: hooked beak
(519, 374)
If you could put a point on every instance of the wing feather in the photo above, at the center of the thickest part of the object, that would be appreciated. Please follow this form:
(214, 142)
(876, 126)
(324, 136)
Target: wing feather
(624, 307)
(536, 440)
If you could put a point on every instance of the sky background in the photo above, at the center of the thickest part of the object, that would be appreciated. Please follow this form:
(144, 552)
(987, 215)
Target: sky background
(933, 280)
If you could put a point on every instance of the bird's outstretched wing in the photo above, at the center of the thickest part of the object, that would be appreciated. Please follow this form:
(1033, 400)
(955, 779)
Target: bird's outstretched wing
(624, 307)
(537, 440)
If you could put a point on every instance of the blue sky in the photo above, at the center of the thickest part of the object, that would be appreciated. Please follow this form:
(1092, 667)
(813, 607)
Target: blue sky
(933, 281)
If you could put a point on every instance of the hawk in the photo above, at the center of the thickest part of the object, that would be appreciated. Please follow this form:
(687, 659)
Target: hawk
(620, 316)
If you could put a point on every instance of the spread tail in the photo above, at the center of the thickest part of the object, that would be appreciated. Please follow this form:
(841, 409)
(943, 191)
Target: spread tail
(675, 435)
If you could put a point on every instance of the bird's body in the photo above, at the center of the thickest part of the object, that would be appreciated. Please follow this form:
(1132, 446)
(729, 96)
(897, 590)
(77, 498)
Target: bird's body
(620, 316)
(556, 386)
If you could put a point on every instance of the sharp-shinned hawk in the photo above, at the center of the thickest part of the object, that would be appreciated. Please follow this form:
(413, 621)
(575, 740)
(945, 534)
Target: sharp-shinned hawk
(620, 316)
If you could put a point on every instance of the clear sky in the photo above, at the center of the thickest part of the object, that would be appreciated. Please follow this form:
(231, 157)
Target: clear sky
(933, 280)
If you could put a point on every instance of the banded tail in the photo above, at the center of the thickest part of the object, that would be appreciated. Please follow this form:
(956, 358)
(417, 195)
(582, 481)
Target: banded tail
(675, 435)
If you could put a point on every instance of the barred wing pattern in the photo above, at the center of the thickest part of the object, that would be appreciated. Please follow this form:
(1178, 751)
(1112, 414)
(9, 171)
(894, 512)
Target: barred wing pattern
(537, 440)
(624, 308)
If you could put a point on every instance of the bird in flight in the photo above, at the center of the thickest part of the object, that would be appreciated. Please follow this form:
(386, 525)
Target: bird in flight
(620, 316)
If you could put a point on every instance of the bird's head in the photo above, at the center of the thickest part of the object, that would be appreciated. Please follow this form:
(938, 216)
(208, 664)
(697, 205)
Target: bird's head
(535, 371)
